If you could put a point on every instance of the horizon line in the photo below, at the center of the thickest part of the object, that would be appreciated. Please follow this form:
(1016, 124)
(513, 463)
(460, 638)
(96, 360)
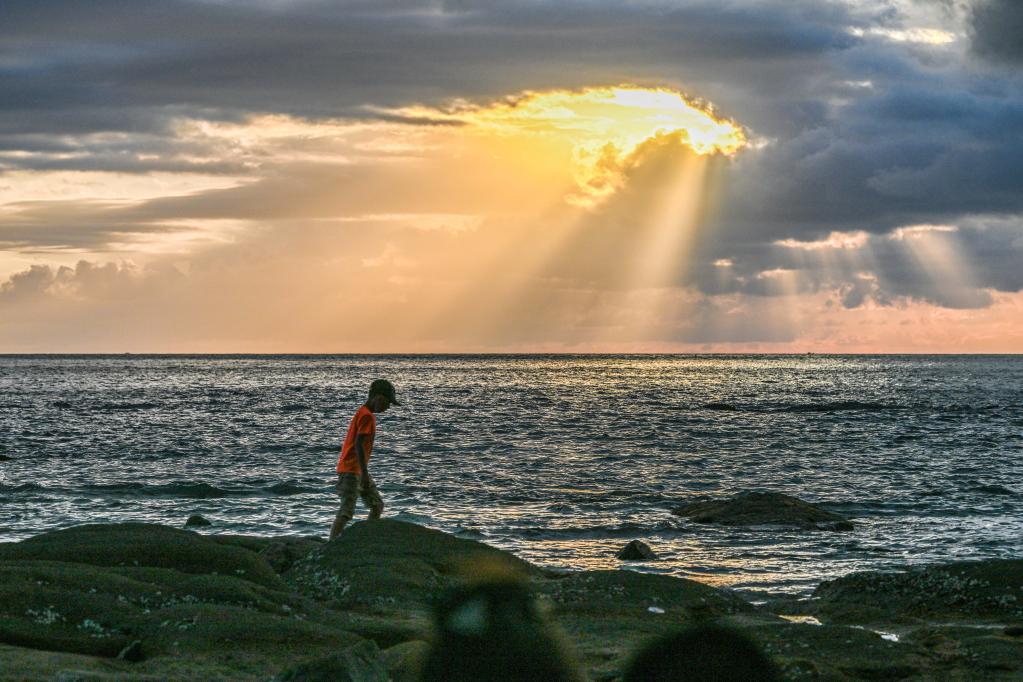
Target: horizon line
(187, 354)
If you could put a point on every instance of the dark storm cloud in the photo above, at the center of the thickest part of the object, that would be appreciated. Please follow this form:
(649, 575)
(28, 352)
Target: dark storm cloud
(907, 143)
(115, 65)
(998, 30)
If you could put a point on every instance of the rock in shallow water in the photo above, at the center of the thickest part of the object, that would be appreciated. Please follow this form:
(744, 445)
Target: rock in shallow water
(197, 520)
(636, 551)
(764, 509)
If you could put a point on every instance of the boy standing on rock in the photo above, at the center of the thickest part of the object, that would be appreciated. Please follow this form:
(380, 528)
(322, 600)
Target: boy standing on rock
(353, 479)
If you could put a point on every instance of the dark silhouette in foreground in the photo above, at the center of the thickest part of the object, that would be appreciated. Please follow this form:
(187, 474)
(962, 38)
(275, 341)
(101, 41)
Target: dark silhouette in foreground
(704, 653)
(493, 630)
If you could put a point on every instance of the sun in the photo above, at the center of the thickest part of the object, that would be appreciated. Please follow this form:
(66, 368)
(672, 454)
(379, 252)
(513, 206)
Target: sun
(592, 117)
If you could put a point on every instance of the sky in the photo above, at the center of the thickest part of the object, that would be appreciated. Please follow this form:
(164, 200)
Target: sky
(270, 176)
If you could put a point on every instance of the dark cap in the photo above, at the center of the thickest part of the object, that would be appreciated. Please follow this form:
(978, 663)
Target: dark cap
(385, 388)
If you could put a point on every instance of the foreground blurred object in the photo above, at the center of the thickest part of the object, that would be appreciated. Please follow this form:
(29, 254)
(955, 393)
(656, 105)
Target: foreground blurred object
(493, 630)
(704, 653)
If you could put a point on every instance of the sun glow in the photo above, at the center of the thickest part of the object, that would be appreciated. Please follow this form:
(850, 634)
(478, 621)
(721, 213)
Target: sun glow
(602, 125)
(623, 116)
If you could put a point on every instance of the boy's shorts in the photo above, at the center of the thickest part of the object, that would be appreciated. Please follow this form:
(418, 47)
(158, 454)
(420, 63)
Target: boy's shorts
(349, 487)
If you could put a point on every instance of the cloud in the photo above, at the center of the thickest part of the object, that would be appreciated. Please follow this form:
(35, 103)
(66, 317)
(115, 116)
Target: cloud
(259, 147)
(957, 267)
(134, 66)
(997, 26)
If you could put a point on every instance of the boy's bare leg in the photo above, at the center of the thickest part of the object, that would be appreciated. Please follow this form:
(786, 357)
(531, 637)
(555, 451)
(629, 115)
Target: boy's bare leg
(340, 521)
(371, 496)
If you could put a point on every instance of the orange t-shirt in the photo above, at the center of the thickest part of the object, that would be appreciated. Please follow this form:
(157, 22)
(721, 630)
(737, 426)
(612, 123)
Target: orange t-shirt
(364, 423)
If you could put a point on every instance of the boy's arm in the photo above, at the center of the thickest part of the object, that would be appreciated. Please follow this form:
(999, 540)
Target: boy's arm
(360, 452)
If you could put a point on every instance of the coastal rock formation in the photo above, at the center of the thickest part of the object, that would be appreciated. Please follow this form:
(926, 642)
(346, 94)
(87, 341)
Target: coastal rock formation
(197, 520)
(753, 508)
(281, 552)
(358, 663)
(388, 563)
(636, 551)
(143, 545)
(976, 590)
(178, 605)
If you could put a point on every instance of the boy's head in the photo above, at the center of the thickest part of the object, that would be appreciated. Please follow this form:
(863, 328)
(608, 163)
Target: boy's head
(381, 395)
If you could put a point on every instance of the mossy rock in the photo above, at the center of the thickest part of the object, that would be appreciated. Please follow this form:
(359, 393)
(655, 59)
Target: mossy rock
(358, 663)
(280, 552)
(985, 649)
(78, 608)
(143, 544)
(390, 565)
(67, 607)
(405, 661)
(607, 614)
(836, 652)
(988, 590)
(620, 593)
(213, 630)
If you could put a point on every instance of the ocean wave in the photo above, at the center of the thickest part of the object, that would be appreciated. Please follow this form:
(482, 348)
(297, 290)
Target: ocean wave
(192, 490)
(834, 406)
(838, 406)
(20, 488)
(625, 530)
(184, 489)
(114, 407)
(991, 489)
(289, 488)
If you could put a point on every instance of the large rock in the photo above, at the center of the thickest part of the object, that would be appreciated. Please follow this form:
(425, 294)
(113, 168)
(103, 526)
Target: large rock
(389, 565)
(762, 509)
(74, 591)
(975, 590)
(95, 590)
(608, 614)
(143, 545)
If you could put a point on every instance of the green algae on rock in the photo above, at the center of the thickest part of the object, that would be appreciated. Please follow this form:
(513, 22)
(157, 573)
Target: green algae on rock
(143, 544)
(986, 590)
(214, 608)
(387, 564)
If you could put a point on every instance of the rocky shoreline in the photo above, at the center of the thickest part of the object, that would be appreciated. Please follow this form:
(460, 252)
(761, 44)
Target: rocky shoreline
(142, 601)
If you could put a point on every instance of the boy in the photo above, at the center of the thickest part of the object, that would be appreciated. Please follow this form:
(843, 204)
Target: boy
(353, 479)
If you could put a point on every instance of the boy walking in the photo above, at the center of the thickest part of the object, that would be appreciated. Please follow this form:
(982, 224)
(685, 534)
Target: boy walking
(353, 479)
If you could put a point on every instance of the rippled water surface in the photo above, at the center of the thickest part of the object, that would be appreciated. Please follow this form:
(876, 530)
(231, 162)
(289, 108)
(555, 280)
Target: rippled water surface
(559, 459)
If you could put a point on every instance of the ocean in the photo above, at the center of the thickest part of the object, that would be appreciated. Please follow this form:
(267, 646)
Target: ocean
(559, 459)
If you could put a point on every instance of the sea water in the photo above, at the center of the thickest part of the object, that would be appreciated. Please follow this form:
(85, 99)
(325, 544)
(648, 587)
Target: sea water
(559, 459)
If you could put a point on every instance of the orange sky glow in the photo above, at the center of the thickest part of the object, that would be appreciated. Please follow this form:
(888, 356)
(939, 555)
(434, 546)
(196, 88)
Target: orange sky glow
(547, 221)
